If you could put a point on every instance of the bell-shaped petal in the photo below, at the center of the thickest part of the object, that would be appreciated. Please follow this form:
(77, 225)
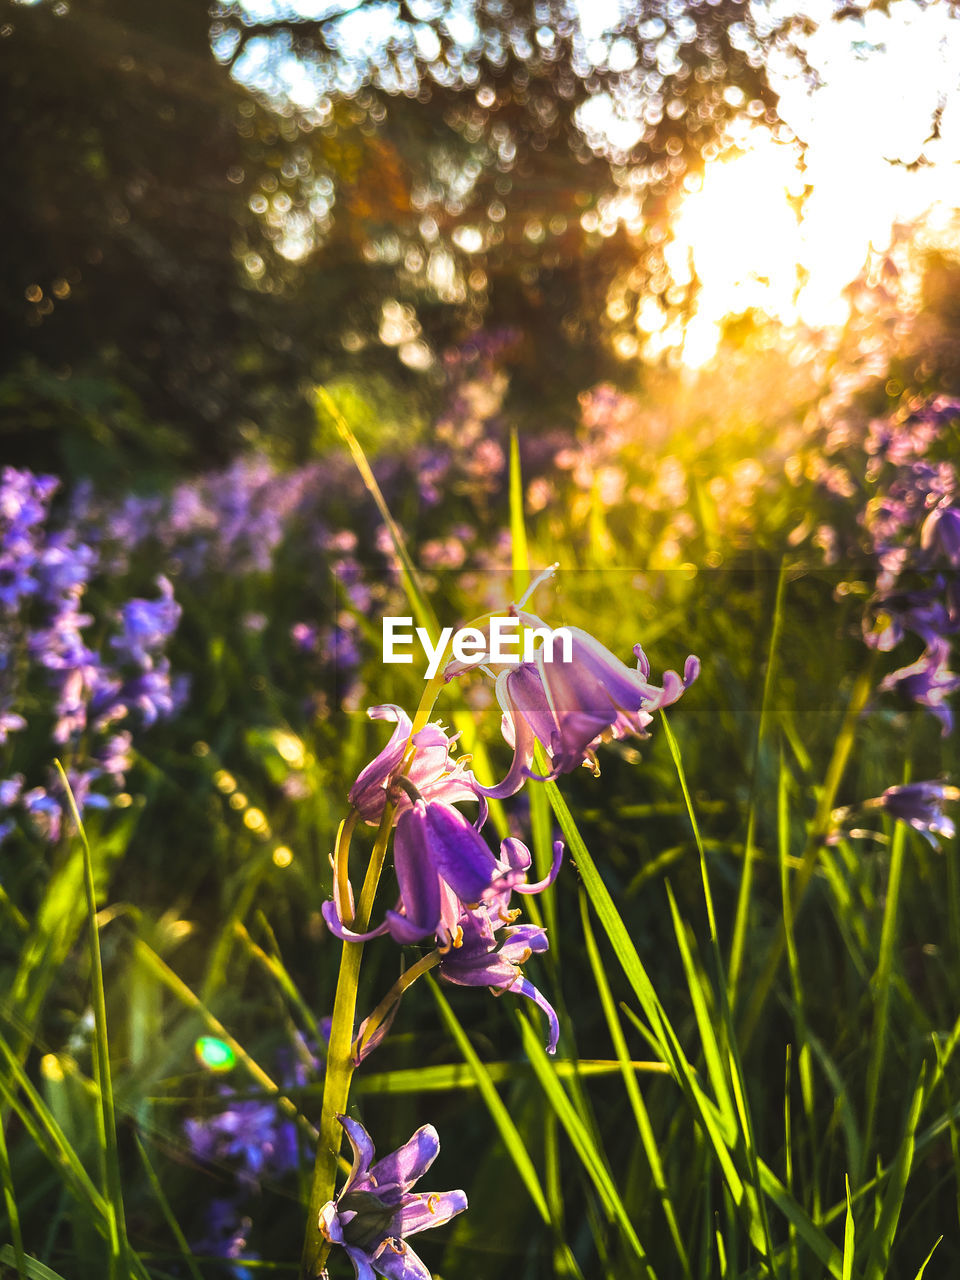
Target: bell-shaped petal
(396, 1173)
(571, 707)
(377, 1209)
(369, 793)
(419, 883)
(452, 846)
(431, 769)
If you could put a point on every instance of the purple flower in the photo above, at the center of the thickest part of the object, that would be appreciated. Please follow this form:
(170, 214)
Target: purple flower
(928, 682)
(437, 853)
(431, 771)
(10, 789)
(44, 812)
(305, 636)
(10, 722)
(941, 531)
(924, 613)
(921, 805)
(147, 626)
(472, 955)
(572, 707)
(226, 1237)
(376, 1209)
(247, 1131)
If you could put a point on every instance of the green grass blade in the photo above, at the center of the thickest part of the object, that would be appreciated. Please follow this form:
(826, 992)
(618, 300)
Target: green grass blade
(501, 1117)
(738, 945)
(580, 1137)
(641, 1115)
(10, 1199)
(859, 696)
(755, 1203)
(804, 1068)
(721, 1133)
(892, 1202)
(923, 1267)
(175, 984)
(456, 1075)
(849, 1235)
(697, 985)
(48, 1136)
(107, 1121)
(277, 970)
(518, 532)
(882, 982)
(186, 1253)
(541, 833)
(422, 609)
(32, 1269)
(608, 915)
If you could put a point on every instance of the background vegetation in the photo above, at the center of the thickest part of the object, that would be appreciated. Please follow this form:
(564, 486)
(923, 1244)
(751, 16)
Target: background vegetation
(206, 218)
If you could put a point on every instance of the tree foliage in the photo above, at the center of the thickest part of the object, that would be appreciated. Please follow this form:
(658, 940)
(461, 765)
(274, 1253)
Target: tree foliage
(201, 220)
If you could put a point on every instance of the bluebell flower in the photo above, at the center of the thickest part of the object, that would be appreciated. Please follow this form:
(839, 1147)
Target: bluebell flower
(432, 772)
(377, 1209)
(249, 1133)
(10, 789)
(572, 707)
(921, 804)
(941, 532)
(44, 812)
(147, 626)
(226, 1235)
(928, 682)
(473, 956)
(10, 722)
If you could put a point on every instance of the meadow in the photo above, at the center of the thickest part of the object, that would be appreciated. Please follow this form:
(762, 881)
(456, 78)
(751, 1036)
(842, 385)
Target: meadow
(737, 1057)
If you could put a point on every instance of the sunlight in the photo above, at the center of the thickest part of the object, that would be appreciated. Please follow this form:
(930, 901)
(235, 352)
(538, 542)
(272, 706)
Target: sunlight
(740, 237)
(874, 156)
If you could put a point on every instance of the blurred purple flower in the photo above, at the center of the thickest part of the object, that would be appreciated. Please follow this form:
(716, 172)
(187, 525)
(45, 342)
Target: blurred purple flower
(921, 805)
(147, 626)
(10, 722)
(928, 682)
(305, 636)
(10, 789)
(941, 533)
(44, 812)
(251, 1133)
(377, 1210)
(226, 1235)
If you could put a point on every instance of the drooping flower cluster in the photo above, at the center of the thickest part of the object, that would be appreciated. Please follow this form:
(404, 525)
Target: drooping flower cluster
(452, 887)
(96, 697)
(377, 1209)
(455, 891)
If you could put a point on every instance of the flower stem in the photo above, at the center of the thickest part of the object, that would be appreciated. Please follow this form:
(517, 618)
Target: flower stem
(339, 1068)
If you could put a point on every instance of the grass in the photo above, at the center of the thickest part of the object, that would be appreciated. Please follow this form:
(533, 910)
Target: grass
(756, 1075)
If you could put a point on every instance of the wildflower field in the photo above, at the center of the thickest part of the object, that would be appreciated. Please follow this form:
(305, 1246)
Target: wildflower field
(736, 929)
(634, 955)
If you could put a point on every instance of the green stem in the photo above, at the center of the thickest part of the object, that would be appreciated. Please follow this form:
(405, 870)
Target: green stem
(393, 997)
(340, 1065)
(340, 1052)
